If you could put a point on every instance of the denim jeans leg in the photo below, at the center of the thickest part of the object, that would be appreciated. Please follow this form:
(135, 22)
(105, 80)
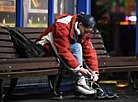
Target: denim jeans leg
(76, 50)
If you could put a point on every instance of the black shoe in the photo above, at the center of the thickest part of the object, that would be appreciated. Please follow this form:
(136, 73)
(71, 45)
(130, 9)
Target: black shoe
(110, 93)
(101, 93)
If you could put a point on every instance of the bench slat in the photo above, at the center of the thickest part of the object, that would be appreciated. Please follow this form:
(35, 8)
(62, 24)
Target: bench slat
(102, 56)
(30, 65)
(6, 43)
(106, 59)
(101, 52)
(7, 55)
(116, 63)
(3, 31)
(118, 69)
(29, 36)
(28, 73)
(33, 36)
(96, 41)
(7, 49)
(31, 30)
(98, 46)
(97, 36)
(5, 37)
(24, 60)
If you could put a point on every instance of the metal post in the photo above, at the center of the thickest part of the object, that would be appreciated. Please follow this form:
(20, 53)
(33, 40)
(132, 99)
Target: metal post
(19, 10)
(51, 12)
(84, 6)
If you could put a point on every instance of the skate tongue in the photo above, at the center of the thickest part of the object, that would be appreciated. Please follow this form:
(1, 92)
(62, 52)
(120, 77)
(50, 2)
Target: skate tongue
(82, 81)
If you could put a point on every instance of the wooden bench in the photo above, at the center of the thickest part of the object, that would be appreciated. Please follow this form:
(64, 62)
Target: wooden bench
(13, 67)
(112, 64)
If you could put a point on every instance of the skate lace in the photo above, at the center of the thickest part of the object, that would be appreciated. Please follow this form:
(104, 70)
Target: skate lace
(87, 83)
(100, 91)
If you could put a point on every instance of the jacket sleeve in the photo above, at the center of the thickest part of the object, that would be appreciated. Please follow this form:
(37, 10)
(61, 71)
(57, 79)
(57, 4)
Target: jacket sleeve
(61, 40)
(90, 55)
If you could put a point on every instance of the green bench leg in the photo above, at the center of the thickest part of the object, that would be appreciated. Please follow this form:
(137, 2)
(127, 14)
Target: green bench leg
(1, 90)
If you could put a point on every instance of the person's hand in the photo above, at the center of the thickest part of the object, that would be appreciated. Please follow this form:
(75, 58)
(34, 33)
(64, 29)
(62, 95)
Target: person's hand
(94, 77)
(84, 72)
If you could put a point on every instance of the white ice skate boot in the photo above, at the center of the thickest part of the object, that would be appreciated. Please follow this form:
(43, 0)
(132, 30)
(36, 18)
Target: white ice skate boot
(83, 87)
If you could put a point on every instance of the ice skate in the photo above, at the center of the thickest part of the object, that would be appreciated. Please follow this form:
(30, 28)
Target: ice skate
(82, 87)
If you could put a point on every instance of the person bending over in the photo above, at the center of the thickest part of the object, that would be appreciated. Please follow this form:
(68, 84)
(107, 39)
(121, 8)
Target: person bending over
(69, 39)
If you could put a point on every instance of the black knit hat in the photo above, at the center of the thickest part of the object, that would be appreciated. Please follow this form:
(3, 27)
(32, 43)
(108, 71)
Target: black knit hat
(88, 21)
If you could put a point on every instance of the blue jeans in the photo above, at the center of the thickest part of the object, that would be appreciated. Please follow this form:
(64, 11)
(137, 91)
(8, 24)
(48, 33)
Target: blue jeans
(76, 50)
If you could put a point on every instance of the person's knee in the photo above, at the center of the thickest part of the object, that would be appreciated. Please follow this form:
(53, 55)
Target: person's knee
(78, 46)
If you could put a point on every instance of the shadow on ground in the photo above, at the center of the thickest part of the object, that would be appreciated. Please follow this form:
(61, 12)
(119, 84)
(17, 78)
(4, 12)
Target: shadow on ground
(126, 94)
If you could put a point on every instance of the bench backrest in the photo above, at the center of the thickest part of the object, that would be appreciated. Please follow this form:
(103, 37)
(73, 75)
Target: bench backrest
(98, 44)
(7, 50)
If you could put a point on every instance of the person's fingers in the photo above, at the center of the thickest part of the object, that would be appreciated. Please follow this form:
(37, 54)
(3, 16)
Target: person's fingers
(85, 72)
(95, 78)
(89, 73)
(91, 77)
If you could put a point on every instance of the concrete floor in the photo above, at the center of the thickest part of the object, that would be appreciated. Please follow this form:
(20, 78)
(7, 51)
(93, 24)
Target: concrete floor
(126, 94)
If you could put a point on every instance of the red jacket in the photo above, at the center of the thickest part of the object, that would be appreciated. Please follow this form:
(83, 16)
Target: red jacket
(63, 33)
